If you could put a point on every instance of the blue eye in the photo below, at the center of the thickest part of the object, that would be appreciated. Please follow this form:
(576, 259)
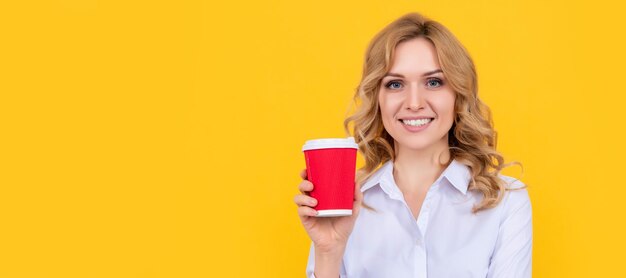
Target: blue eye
(434, 82)
(391, 83)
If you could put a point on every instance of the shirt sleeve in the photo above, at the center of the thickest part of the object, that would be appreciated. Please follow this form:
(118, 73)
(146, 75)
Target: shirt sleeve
(310, 266)
(512, 256)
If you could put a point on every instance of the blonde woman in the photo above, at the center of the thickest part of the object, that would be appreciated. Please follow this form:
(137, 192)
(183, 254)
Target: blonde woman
(430, 200)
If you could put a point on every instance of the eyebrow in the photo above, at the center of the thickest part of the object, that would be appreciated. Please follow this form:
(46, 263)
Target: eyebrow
(425, 74)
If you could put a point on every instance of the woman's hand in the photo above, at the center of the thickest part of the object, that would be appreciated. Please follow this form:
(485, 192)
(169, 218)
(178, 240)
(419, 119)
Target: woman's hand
(329, 234)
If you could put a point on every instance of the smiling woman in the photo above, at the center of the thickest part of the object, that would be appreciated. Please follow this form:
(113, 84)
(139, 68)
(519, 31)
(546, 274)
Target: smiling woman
(436, 203)
(417, 108)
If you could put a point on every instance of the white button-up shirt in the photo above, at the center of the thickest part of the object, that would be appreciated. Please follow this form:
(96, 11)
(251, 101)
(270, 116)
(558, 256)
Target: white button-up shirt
(447, 240)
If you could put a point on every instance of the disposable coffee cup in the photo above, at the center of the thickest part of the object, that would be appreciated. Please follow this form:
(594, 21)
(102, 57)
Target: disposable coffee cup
(330, 166)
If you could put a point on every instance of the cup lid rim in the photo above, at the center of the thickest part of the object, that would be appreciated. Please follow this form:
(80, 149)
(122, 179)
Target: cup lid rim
(327, 143)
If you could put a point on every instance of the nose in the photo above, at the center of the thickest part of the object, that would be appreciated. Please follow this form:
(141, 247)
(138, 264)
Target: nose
(415, 98)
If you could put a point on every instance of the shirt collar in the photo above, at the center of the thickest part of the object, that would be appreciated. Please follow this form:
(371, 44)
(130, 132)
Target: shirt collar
(457, 173)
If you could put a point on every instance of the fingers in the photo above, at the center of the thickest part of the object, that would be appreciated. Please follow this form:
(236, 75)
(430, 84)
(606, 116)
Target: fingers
(303, 174)
(305, 204)
(305, 186)
(306, 211)
(304, 200)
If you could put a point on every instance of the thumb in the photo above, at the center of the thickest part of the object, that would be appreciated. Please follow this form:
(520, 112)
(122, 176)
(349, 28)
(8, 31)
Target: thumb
(358, 195)
(358, 199)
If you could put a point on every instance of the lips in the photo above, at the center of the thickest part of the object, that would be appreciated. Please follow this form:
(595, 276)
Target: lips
(415, 118)
(417, 122)
(420, 124)
(411, 119)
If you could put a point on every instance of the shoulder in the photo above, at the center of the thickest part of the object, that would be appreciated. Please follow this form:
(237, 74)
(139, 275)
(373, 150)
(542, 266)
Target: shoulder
(516, 197)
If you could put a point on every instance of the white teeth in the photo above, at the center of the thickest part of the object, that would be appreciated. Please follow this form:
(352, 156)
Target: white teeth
(419, 122)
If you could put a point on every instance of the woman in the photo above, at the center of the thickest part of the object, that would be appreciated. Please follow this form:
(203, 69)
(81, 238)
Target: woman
(438, 206)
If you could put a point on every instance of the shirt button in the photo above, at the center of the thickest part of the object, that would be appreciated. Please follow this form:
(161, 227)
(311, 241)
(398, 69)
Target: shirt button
(418, 241)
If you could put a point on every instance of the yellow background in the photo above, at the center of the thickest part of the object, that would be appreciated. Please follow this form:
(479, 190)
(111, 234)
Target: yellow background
(162, 138)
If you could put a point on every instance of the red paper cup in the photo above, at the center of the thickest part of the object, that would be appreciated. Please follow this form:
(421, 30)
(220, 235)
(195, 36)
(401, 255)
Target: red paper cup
(330, 166)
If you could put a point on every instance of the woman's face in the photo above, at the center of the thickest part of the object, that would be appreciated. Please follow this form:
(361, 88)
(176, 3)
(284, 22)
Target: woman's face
(415, 89)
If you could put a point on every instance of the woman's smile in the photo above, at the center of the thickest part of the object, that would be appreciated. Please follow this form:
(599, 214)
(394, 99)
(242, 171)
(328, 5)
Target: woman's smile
(416, 125)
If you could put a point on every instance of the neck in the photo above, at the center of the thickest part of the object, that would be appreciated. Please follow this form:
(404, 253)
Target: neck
(415, 170)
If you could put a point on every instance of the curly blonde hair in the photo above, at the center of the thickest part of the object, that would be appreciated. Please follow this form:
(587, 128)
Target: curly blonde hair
(472, 138)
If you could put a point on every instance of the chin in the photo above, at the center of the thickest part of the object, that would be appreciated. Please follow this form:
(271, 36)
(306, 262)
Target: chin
(415, 144)
(421, 142)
